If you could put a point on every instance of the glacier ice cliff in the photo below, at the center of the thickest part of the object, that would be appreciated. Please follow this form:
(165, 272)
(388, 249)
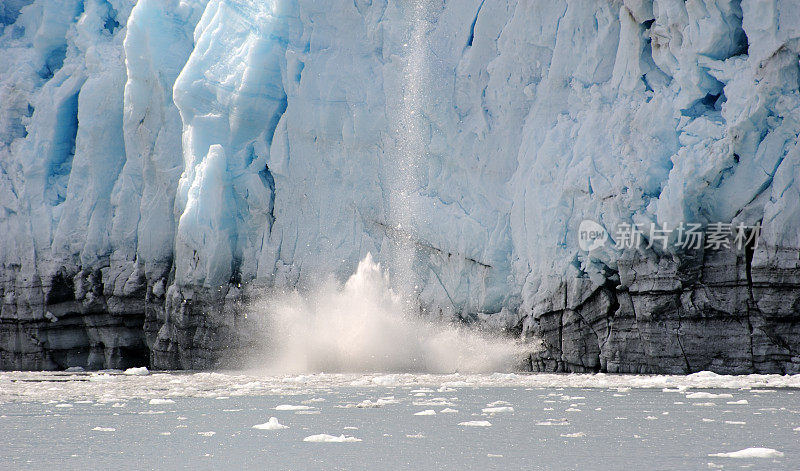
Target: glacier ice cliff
(163, 160)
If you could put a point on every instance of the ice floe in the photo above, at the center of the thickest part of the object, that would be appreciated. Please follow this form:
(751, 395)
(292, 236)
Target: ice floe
(104, 429)
(272, 424)
(750, 453)
(290, 407)
(325, 438)
(476, 423)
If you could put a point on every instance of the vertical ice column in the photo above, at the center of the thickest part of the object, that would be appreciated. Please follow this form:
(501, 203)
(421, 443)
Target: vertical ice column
(230, 97)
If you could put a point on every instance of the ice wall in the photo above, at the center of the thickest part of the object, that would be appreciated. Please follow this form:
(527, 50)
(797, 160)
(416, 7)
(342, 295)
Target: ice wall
(163, 160)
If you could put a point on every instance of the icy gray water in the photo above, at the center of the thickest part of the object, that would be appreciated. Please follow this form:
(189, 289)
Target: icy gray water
(205, 421)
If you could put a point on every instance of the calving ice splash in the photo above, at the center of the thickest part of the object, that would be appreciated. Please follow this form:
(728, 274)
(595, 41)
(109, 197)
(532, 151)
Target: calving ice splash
(365, 326)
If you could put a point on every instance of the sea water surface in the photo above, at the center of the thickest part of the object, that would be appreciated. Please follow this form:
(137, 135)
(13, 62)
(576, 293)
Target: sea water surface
(144, 420)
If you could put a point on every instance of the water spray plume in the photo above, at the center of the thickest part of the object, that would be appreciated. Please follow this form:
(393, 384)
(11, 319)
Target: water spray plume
(364, 326)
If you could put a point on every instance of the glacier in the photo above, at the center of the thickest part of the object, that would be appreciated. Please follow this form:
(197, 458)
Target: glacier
(164, 161)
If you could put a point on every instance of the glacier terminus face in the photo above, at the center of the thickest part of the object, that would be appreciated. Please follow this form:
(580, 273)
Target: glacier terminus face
(509, 163)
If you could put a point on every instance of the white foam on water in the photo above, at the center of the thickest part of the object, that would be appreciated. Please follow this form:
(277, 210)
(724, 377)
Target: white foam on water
(364, 326)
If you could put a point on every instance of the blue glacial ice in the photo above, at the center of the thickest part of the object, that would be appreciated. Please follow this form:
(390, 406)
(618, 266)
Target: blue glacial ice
(154, 153)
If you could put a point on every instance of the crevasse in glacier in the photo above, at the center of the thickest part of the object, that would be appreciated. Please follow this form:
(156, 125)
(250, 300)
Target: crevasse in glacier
(164, 160)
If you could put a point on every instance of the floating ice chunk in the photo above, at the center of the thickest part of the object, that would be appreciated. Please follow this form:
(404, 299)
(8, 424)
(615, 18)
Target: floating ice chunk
(155, 402)
(64, 406)
(497, 410)
(707, 395)
(650, 417)
(141, 371)
(490, 455)
(292, 407)
(704, 404)
(324, 438)
(313, 400)
(735, 422)
(416, 435)
(165, 433)
(365, 404)
(573, 435)
(448, 410)
(426, 412)
(553, 422)
(350, 428)
(433, 401)
(572, 409)
(476, 423)
(207, 434)
(272, 424)
(498, 403)
(751, 453)
(739, 402)
(74, 369)
(386, 380)
(104, 429)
